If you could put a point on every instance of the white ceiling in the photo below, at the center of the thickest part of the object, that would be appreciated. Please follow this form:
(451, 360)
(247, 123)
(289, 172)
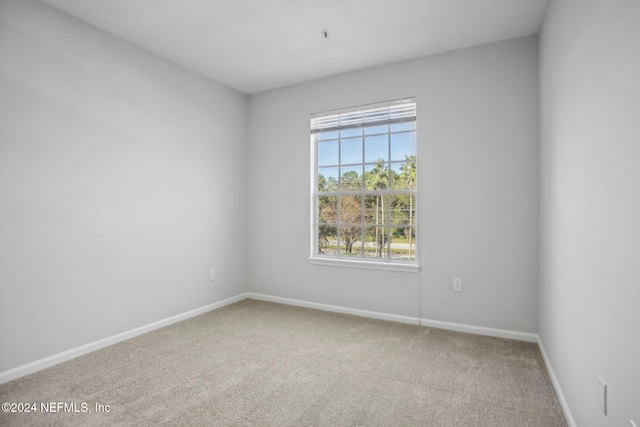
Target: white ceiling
(256, 45)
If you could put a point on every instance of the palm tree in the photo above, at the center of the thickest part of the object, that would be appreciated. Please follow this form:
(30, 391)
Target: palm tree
(378, 179)
(409, 173)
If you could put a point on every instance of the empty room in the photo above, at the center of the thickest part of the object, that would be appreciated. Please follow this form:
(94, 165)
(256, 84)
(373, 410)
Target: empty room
(320, 213)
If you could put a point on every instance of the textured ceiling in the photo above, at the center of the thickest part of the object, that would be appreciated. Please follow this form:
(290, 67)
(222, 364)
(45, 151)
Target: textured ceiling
(256, 45)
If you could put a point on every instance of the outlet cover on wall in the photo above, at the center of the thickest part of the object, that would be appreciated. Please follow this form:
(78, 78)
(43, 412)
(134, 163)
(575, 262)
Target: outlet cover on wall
(457, 284)
(212, 274)
(603, 395)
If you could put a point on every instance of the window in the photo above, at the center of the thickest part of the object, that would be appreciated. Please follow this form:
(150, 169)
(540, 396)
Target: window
(364, 186)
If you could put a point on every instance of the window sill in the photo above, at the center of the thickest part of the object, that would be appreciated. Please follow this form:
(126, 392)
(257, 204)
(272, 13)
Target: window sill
(370, 265)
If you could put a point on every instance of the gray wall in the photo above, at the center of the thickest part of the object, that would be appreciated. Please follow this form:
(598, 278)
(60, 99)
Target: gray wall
(590, 204)
(121, 183)
(478, 188)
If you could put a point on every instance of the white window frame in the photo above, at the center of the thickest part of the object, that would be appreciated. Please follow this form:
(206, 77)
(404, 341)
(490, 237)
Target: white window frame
(392, 112)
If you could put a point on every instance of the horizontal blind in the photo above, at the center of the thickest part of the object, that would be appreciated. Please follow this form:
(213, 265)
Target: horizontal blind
(403, 110)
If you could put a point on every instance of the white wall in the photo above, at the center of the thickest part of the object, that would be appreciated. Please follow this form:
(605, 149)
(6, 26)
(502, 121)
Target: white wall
(590, 204)
(478, 188)
(121, 183)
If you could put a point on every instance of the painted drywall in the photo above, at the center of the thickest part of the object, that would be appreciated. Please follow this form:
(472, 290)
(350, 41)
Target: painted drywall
(590, 205)
(121, 183)
(477, 188)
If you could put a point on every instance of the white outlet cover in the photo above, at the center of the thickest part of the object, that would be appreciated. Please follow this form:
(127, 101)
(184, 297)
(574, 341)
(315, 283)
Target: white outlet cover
(457, 284)
(212, 274)
(603, 395)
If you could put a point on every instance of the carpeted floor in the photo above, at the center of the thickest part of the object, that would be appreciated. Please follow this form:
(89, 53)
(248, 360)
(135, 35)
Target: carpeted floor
(256, 363)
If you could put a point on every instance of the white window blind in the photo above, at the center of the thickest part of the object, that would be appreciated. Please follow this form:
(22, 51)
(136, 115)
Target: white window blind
(385, 113)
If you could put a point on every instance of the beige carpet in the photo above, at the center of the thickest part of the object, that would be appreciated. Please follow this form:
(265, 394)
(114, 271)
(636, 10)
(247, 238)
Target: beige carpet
(256, 363)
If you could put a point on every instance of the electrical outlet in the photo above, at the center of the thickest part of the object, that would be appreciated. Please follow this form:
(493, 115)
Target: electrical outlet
(603, 395)
(212, 274)
(457, 284)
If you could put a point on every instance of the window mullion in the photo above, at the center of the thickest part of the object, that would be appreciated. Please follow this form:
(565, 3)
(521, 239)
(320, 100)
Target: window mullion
(364, 187)
(389, 186)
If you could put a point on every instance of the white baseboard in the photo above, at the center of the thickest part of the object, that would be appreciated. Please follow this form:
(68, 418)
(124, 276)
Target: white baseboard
(478, 330)
(335, 308)
(47, 362)
(481, 330)
(556, 386)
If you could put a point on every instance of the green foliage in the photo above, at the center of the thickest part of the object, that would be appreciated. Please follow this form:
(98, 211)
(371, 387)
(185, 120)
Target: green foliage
(379, 210)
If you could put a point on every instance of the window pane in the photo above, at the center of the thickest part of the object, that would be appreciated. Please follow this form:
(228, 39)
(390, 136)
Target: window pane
(403, 145)
(328, 135)
(377, 176)
(372, 130)
(351, 241)
(403, 176)
(328, 179)
(352, 178)
(376, 239)
(328, 209)
(401, 209)
(398, 127)
(351, 132)
(376, 148)
(376, 210)
(327, 239)
(397, 180)
(403, 243)
(351, 209)
(351, 151)
(328, 153)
